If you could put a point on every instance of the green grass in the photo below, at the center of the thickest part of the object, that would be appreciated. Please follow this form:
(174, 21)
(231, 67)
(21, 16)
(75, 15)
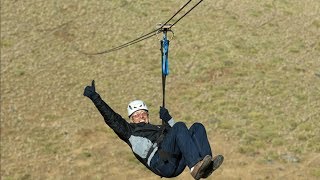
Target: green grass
(315, 172)
(247, 70)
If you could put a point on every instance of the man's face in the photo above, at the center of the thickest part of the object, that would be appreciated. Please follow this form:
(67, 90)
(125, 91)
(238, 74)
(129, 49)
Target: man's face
(140, 116)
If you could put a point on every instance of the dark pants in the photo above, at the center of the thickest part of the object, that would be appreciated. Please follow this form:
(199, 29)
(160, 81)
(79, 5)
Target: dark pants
(191, 145)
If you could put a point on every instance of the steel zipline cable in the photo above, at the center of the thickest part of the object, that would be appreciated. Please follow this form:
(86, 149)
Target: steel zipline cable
(186, 13)
(148, 35)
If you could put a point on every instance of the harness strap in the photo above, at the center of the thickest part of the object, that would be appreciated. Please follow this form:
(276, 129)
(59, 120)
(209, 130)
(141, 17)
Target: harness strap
(164, 155)
(164, 44)
(158, 141)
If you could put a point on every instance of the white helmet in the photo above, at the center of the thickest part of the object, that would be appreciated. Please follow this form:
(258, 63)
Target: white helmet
(135, 106)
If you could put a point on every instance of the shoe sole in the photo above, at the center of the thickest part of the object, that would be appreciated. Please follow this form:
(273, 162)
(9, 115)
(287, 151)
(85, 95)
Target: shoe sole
(208, 171)
(217, 161)
(213, 166)
(202, 170)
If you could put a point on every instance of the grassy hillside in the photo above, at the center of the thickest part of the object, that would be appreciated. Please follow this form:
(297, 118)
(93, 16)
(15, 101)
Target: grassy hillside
(248, 70)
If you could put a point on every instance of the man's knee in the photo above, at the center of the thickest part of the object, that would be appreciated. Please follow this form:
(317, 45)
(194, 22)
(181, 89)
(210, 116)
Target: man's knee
(197, 126)
(180, 125)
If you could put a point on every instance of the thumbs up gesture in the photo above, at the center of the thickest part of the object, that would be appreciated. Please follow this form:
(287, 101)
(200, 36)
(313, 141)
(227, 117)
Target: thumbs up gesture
(89, 91)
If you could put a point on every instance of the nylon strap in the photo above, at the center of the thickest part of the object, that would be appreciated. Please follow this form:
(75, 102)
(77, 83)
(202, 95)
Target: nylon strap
(165, 63)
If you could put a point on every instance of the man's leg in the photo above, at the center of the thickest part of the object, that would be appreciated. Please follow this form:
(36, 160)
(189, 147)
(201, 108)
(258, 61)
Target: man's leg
(199, 136)
(179, 141)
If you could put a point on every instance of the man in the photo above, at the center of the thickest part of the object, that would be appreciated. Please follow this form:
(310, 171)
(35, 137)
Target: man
(164, 149)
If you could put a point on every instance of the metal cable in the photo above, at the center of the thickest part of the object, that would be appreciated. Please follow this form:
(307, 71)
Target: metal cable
(120, 47)
(186, 13)
(148, 35)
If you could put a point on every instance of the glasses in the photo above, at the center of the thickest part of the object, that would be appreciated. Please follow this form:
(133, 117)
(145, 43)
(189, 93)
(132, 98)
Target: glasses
(138, 114)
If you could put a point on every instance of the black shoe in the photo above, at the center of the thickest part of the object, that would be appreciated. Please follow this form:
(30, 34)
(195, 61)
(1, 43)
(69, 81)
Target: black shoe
(200, 169)
(217, 161)
(215, 164)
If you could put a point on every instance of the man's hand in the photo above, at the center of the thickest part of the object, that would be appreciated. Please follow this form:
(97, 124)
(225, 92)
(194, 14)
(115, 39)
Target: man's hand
(164, 114)
(90, 91)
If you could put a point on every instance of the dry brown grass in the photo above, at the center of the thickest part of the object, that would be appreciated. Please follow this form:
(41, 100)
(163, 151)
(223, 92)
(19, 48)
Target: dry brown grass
(248, 70)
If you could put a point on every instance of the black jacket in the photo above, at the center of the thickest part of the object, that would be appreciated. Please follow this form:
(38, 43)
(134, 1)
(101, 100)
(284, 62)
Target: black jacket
(141, 137)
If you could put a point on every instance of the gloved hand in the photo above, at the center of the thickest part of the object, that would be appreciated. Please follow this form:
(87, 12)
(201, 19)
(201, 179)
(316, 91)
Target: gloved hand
(164, 114)
(90, 91)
